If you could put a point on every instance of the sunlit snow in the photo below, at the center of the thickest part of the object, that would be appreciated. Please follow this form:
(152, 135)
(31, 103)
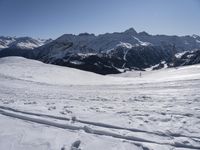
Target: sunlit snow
(48, 107)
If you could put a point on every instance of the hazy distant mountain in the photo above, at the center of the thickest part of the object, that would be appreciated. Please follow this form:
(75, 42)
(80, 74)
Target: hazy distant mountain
(21, 42)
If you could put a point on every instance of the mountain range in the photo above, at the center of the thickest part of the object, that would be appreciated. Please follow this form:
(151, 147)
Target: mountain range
(107, 53)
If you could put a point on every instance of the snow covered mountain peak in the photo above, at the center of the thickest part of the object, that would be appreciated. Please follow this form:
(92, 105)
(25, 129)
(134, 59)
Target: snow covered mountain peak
(5, 41)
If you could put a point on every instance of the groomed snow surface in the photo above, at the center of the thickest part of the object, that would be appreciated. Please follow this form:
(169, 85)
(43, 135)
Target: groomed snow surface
(47, 107)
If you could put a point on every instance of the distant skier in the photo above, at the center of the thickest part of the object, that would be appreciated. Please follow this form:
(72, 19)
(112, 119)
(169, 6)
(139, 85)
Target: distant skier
(140, 74)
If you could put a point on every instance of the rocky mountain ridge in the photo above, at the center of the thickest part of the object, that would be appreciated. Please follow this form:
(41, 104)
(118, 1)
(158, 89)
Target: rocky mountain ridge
(108, 53)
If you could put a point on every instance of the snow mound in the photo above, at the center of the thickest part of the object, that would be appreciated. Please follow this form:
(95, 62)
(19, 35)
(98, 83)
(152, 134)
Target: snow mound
(32, 70)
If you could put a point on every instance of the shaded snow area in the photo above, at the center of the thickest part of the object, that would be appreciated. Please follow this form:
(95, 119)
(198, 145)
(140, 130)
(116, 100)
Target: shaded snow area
(47, 107)
(179, 55)
(125, 45)
(141, 42)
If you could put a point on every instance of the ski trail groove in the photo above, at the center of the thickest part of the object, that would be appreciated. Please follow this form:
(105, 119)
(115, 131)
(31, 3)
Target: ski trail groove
(34, 114)
(92, 131)
(118, 127)
(133, 129)
(98, 123)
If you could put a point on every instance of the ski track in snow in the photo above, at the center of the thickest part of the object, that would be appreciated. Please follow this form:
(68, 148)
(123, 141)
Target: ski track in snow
(90, 130)
(139, 115)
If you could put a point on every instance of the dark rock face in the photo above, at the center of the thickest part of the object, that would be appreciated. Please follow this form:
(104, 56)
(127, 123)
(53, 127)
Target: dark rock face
(142, 56)
(93, 63)
(159, 66)
(16, 52)
(189, 58)
(137, 58)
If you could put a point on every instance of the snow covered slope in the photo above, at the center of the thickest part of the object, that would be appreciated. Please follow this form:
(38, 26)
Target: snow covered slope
(5, 41)
(32, 70)
(47, 107)
(164, 75)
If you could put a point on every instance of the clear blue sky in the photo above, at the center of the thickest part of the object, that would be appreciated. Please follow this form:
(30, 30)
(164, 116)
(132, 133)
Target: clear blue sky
(52, 18)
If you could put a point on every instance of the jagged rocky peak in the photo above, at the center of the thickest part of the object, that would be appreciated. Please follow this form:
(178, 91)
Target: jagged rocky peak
(86, 34)
(131, 31)
(75, 38)
(143, 33)
(65, 37)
